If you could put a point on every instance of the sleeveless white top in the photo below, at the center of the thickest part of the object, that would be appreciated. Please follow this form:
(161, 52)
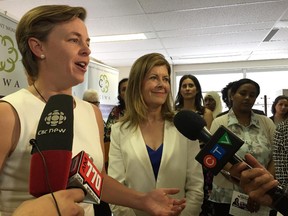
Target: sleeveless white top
(14, 178)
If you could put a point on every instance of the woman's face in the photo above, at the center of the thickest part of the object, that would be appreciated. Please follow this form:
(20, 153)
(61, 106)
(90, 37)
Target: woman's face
(244, 98)
(66, 53)
(156, 86)
(209, 102)
(282, 107)
(123, 87)
(188, 89)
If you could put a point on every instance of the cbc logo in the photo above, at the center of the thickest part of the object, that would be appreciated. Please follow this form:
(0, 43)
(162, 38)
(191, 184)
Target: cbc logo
(209, 161)
(55, 118)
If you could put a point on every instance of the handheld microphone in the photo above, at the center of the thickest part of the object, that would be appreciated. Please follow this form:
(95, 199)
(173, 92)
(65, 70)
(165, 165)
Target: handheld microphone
(52, 148)
(220, 148)
(84, 174)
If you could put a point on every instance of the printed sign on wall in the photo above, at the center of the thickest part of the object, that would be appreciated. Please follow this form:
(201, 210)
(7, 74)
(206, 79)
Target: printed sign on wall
(12, 73)
(104, 80)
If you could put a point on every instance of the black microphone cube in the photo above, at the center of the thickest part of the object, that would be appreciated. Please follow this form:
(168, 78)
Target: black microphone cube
(219, 150)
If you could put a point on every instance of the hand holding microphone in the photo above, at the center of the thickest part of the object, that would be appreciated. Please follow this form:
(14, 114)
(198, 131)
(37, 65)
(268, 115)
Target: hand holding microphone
(220, 149)
(256, 182)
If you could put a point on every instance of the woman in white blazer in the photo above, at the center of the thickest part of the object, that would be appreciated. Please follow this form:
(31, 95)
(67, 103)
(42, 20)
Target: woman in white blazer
(146, 150)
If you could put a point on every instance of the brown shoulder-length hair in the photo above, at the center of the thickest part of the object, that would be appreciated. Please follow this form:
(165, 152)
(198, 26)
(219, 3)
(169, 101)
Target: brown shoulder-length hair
(136, 108)
(277, 99)
(38, 23)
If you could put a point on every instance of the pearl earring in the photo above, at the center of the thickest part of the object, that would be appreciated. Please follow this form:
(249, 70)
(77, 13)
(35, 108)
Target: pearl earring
(42, 56)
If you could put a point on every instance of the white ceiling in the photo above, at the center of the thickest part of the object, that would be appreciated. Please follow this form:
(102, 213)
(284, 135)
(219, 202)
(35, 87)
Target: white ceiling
(185, 31)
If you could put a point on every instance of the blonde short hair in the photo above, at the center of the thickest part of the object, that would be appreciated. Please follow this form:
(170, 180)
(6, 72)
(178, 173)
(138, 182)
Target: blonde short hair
(91, 96)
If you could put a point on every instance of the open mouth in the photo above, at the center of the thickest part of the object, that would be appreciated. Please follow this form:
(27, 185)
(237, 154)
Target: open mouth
(81, 64)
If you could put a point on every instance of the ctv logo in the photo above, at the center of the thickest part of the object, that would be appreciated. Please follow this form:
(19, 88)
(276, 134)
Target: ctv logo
(217, 151)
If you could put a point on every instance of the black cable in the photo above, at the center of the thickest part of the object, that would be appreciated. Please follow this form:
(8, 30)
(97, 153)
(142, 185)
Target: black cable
(33, 142)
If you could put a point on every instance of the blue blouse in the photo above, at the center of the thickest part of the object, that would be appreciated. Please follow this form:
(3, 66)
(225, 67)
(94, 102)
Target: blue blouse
(155, 158)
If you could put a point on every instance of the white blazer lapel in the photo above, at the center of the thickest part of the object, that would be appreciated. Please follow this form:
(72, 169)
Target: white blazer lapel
(168, 144)
(139, 147)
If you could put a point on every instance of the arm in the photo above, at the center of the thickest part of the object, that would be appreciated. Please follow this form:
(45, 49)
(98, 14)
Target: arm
(9, 131)
(116, 169)
(66, 199)
(271, 132)
(280, 154)
(255, 182)
(208, 117)
(258, 183)
(100, 123)
(155, 202)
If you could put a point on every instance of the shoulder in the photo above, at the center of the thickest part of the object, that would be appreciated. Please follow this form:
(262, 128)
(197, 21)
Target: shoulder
(116, 125)
(18, 97)
(266, 122)
(221, 118)
(207, 112)
(283, 126)
(265, 119)
(222, 113)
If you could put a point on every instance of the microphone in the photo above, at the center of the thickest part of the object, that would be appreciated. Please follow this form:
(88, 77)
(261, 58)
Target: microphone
(52, 148)
(84, 174)
(220, 148)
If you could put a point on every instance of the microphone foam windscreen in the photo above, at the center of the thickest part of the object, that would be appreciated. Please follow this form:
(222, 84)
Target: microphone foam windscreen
(189, 124)
(54, 138)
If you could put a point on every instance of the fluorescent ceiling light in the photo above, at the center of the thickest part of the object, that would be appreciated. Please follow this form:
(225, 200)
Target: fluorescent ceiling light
(140, 36)
(281, 24)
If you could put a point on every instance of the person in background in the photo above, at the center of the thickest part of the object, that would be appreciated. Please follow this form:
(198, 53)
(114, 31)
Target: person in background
(280, 145)
(212, 101)
(146, 150)
(226, 92)
(257, 132)
(117, 111)
(54, 43)
(226, 97)
(91, 96)
(189, 97)
(280, 153)
(279, 109)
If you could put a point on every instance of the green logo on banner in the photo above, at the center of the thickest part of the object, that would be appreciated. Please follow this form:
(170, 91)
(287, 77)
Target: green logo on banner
(9, 52)
(104, 83)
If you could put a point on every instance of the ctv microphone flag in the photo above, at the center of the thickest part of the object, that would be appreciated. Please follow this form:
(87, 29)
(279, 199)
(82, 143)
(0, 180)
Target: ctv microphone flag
(52, 148)
(218, 149)
(84, 174)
